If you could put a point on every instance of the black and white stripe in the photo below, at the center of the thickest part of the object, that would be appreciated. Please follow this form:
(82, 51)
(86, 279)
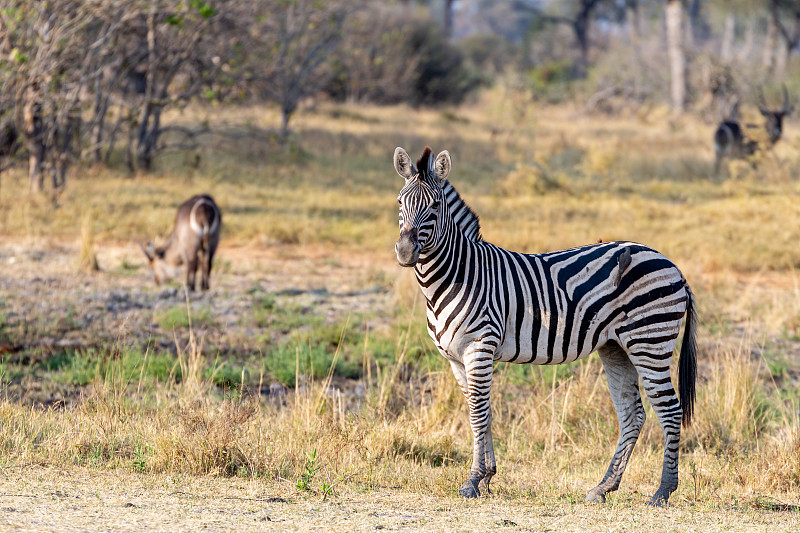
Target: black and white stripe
(485, 304)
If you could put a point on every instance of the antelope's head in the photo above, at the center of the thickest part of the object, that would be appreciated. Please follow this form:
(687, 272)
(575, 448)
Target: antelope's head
(420, 202)
(774, 119)
(155, 258)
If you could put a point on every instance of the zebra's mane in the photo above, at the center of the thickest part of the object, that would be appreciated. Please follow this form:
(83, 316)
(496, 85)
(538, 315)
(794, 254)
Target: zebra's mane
(463, 216)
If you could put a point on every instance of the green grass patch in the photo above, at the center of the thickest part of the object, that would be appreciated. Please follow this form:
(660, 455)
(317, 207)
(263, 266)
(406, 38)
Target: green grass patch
(177, 317)
(82, 367)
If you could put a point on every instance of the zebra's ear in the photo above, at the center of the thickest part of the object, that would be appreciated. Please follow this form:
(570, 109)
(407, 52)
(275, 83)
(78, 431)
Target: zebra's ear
(442, 165)
(403, 164)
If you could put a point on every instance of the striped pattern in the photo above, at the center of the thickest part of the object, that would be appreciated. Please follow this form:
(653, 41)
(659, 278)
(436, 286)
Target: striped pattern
(487, 304)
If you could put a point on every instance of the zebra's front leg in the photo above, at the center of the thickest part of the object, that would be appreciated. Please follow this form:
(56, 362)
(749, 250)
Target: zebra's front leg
(478, 364)
(460, 373)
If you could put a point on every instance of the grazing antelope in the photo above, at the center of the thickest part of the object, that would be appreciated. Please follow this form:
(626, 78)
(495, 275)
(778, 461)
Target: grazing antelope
(731, 142)
(192, 242)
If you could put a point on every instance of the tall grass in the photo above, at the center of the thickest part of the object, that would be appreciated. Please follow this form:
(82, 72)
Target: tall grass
(547, 183)
(554, 427)
(87, 259)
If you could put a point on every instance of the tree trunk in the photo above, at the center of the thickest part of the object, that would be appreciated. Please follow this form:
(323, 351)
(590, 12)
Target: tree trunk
(749, 38)
(632, 15)
(35, 164)
(100, 108)
(768, 54)
(33, 134)
(286, 114)
(448, 19)
(149, 131)
(696, 26)
(581, 29)
(677, 58)
(63, 143)
(782, 52)
(728, 35)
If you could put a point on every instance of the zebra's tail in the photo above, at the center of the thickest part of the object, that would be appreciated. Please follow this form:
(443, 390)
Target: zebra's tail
(687, 365)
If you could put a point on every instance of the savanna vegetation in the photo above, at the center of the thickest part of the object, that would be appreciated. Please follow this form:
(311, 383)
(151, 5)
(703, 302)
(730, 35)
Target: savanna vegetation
(306, 373)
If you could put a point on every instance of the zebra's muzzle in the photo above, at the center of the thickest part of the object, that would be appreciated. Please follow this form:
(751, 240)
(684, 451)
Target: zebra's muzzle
(408, 247)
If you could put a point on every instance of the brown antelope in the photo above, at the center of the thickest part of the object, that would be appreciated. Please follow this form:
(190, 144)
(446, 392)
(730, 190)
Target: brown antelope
(731, 142)
(192, 242)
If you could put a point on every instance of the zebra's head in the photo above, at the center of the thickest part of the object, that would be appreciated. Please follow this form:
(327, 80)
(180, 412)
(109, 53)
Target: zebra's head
(420, 201)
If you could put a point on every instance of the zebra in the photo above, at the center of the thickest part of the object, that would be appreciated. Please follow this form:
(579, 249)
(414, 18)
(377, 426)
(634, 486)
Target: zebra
(486, 304)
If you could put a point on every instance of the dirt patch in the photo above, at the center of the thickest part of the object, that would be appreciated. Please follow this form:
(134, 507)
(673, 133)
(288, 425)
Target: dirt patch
(49, 306)
(48, 499)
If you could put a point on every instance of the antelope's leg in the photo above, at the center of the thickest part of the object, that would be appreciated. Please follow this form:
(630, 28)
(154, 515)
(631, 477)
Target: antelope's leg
(191, 271)
(623, 384)
(212, 248)
(205, 268)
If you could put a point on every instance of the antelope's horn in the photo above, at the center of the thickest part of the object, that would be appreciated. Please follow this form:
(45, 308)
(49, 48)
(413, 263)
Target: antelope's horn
(762, 104)
(786, 105)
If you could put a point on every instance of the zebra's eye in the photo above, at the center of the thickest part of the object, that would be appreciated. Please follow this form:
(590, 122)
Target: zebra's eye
(435, 204)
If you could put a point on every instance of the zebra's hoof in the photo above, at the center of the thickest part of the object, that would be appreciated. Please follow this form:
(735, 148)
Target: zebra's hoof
(469, 489)
(658, 500)
(596, 497)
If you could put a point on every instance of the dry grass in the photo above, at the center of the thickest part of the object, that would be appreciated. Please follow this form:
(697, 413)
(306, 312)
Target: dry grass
(554, 434)
(88, 256)
(553, 181)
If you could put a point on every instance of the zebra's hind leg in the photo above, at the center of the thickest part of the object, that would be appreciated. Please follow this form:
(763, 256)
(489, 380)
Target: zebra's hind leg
(658, 386)
(623, 384)
(491, 465)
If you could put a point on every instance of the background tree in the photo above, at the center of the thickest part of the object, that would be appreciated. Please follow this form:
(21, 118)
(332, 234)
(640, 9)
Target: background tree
(374, 63)
(674, 17)
(293, 46)
(577, 16)
(785, 18)
(44, 43)
(164, 53)
(94, 79)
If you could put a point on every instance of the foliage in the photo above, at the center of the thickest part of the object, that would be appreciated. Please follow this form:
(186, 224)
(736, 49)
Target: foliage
(310, 470)
(441, 76)
(389, 57)
(301, 37)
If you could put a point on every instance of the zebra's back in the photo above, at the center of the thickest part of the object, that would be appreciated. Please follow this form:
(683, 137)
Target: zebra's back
(562, 306)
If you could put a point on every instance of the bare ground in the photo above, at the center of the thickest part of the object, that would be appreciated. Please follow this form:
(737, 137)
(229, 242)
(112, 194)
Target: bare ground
(35, 498)
(41, 281)
(48, 304)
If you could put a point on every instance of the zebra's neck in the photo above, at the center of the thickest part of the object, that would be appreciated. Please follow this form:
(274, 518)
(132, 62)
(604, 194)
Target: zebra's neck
(463, 217)
(456, 236)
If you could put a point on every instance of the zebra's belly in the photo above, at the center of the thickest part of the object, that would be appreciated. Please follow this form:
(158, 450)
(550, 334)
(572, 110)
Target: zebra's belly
(549, 350)
(540, 348)
(544, 339)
